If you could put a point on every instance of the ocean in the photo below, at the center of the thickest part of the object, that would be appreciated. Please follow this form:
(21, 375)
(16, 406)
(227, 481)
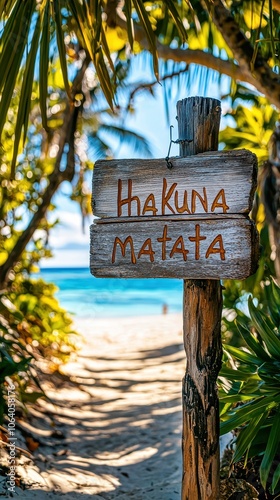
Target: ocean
(86, 296)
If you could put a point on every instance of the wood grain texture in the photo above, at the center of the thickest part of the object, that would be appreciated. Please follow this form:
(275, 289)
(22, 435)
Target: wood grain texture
(175, 248)
(202, 341)
(233, 171)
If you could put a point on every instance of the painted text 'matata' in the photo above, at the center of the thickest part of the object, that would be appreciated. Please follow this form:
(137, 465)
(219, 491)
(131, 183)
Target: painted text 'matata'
(169, 248)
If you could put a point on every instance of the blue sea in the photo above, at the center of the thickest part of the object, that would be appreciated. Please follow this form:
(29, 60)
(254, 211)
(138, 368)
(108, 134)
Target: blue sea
(85, 296)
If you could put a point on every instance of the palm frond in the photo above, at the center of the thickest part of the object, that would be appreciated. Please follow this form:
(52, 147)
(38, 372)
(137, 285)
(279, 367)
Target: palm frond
(100, 149)
(132, 139)
(142, 23)
(16, 36)
(25, 96)
(44, 65)
(145, 22)
(129, 21)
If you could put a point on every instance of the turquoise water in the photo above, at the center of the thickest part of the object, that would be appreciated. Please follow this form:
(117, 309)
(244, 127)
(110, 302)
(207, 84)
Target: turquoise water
(86, 296)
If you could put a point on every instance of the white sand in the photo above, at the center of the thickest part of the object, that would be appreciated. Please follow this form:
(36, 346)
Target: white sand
(122, 422)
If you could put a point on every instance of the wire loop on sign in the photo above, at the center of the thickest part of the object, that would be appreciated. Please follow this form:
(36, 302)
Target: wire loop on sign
(168, 163)
(178, 141)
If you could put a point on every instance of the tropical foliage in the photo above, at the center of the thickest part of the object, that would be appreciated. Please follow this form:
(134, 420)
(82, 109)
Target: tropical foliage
(252, 128)
(248, 389)
(238, 39)
(250, 385)
(33, 327)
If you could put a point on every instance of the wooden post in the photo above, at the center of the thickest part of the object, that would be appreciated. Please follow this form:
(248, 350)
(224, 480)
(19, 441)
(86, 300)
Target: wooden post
(144, 231)
(198, 126)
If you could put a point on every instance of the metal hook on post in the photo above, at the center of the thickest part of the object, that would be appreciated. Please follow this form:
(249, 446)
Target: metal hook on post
(178, 141)
(168, 162)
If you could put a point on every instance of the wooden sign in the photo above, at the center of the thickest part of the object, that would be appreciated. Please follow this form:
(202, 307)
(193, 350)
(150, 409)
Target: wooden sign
(216, 182)
(190, 221)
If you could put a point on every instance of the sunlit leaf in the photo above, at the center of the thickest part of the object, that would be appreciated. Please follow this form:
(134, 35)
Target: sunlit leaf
(104, 77)
(144, 19)
(96, 23)
(109, 46)
(113, 39)
(253, 16)
(177, 19)
(237, 398)
(11, 38)
(240, 374)
(252, 342)
(243, 355)
(268, 335)
(85, 34)
(3, 256)
(128, 11)
(248, 411)
(61, 45)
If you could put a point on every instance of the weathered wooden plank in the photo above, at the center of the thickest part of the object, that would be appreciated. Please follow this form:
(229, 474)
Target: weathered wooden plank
(201, 249)
(215, 182)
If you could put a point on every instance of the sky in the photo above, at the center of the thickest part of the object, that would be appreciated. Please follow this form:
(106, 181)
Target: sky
(70, 246)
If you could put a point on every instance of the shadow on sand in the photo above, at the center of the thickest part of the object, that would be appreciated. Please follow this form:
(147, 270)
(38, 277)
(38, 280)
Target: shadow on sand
(121, 422)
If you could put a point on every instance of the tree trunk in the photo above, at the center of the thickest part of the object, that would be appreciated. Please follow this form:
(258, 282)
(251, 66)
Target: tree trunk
(67, 136)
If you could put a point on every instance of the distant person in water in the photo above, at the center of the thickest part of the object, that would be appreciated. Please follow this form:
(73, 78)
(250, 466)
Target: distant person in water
(164, 309)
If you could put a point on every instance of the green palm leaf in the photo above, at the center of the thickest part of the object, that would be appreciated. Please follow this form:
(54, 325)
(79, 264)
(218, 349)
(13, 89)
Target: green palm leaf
(25, 95)
(252, 342)
(85, 31)
(104, 77)
(248, 411)
(242, 355)
(10, 42)
(271, 449)
(144, 20)
(263, 326)
(246, 437)
(177, 19)
(237, 398)
(241, 374)
(276, 479)
(96, 19)
(100, 147)
(106, 49)
(8, 80)
(129, 22)
(44, 64)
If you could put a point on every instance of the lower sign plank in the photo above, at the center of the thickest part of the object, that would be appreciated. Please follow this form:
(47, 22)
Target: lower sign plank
(218, 248)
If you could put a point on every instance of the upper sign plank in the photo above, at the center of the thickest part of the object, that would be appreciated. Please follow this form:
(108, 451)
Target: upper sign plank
(216, 182)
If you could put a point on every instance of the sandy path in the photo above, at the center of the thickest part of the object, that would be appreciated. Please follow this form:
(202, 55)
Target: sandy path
(122, 422)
